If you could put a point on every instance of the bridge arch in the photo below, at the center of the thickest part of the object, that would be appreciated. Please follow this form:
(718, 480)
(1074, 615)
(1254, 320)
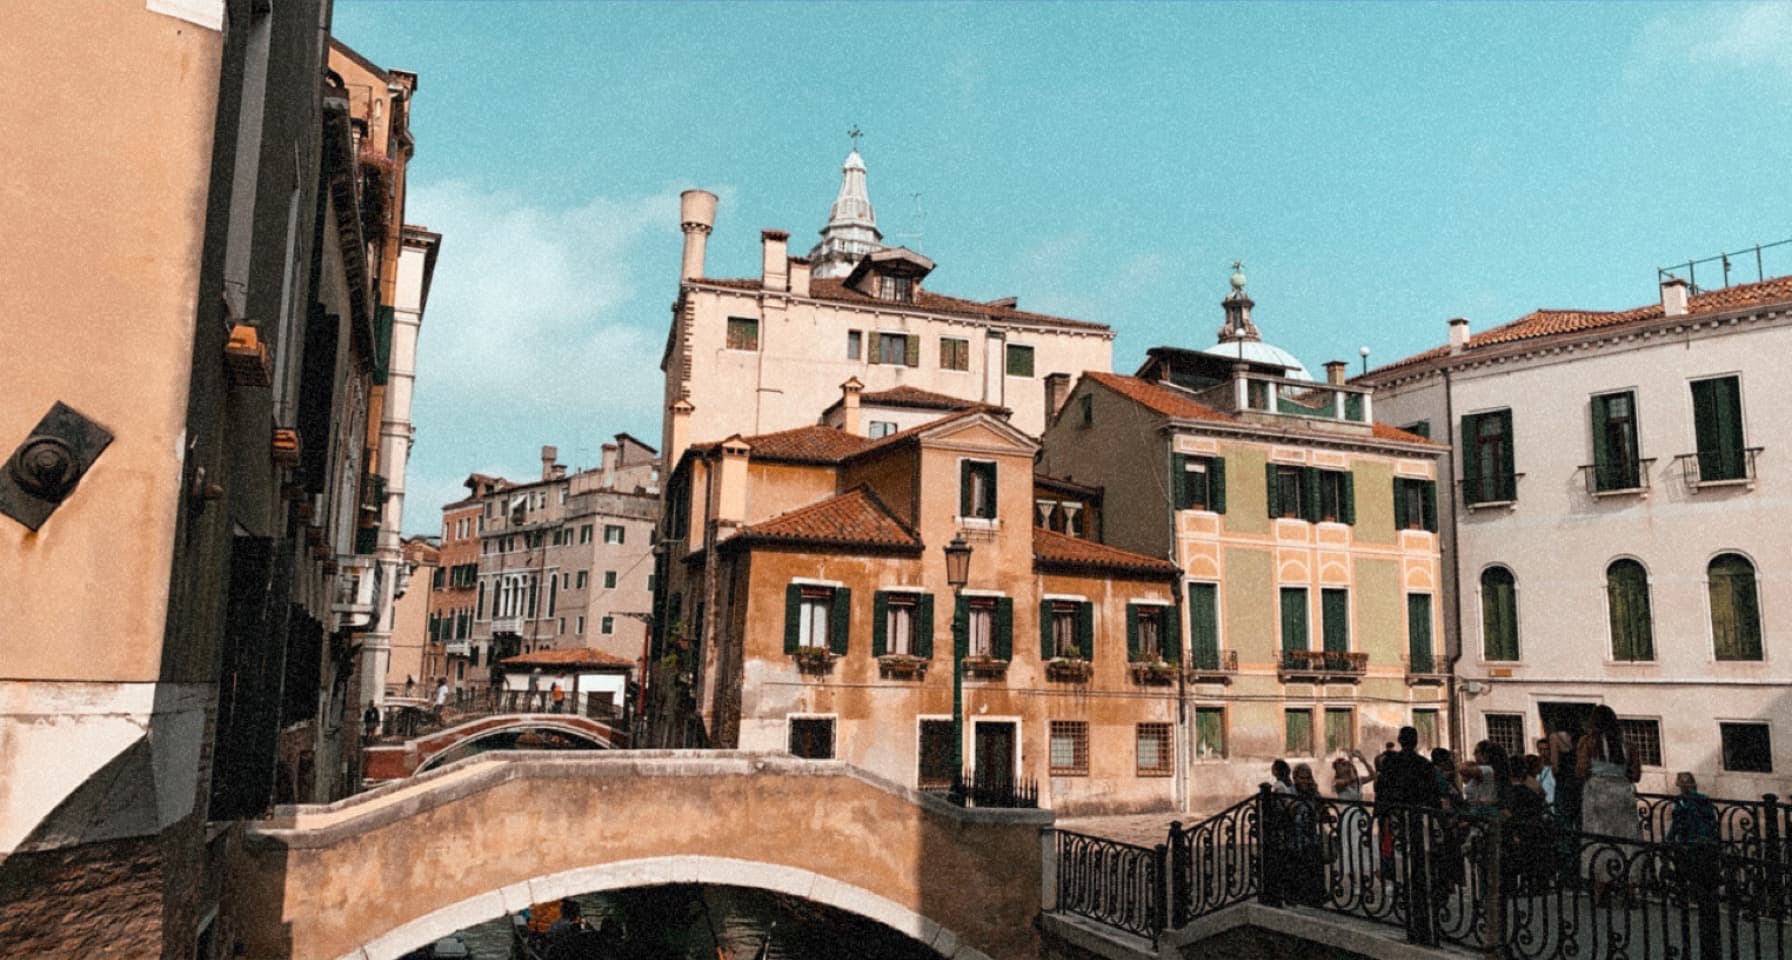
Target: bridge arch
(395, 761)
(655, 871)
(444, 754)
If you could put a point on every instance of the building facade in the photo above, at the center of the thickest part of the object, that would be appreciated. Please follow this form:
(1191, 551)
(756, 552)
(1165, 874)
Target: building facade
(1305, 537)
(1617, 525)
(413, 652)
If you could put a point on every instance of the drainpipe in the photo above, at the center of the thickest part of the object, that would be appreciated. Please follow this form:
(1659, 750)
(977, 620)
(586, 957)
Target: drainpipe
(1185, 755)
(1454, 697)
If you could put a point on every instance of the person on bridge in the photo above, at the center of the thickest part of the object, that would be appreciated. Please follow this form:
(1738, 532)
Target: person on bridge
(1609, 772)
(441, 698)
(371, 719)
(557, 694)
(1408, 780)
(530, 704)
(410, 683)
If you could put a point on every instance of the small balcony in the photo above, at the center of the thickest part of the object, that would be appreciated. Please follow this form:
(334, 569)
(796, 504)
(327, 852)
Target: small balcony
(1719, 468)
(1153, 672)
(1279, 396)
(357, 590)
(1425, 669)
(1618, 478)
(1322, 666)
(1500, 490)
(511, 625)
(1211, 666)
(458, 648)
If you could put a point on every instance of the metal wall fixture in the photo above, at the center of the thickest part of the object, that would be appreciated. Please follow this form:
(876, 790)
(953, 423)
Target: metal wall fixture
(45, 469)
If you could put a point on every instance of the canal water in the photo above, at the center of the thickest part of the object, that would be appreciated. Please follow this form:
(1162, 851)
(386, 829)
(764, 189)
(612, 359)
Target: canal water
(690, 922)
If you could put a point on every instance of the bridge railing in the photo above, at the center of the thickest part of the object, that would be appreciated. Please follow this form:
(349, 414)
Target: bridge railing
(1117, 884)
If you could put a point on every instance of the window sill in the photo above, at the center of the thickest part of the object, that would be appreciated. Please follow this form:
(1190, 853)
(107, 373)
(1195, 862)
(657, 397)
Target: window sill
(1155, 774)
(814, 660)
(1491, 504)
(985, 667)
(1632, 663)
(739, 350)
(1718, 484)
(1068, 670)
(901, 666)
(1069, 773)
(1639, 492)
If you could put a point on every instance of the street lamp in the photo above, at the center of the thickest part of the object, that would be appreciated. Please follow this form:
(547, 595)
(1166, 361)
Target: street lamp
(958, 573)
(1364, 353)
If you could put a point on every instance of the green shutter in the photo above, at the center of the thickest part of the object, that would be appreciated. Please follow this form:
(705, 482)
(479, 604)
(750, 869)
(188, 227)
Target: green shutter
(989, 491)
(1273, 491)
(1499, 615)
(1004, 639)
(1132, 631)
(1335, 612)
(1294, 618)
(1508, 452)
(1400, 495)
(1179, 481)
(1046, 649)
(1348, 507)
(1717, 427)
(1169, 634)
(1216, 484)
(1309, 494)
(1471, 460)
(924, 627)
(1627, 590)
(880, 630)
(1429, 492)
(964, 488)
(793, 617)
(1085, 630)
(961, 630)
(911, 352)
(1602, 452)
(1203, 624)
(840, 620)
(1418, 631)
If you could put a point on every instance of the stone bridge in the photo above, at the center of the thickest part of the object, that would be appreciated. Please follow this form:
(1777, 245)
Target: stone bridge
(398, 760)
(385, 872)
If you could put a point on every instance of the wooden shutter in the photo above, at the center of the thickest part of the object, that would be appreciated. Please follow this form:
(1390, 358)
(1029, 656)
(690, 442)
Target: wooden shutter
(1347, 508)
(1004, 638)
(1508, 484)
(1085, 630)
(1169, 634)
(1309, 494)
(1400, 495)
(964, 488)
(840, 620)
(911, 351)
(1132, 631)
(1203, 623)
(1294, 618)
(923, 646)
(1047, 649)
(1273, 490)
(1335, 611)
(1418, 631)
(793, 617)
(961, 630)
(1216, 484)
(880, 628)
(1429, 491)
(1179, 481)
(989, 490)
(1602, 452)
(1471, 461)
(1717, 428)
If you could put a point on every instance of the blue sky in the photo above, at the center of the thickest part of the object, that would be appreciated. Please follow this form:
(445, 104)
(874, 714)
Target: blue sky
(1379, 168)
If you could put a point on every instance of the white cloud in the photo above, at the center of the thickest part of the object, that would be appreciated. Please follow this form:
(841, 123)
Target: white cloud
(1754, 37)
(544, 326)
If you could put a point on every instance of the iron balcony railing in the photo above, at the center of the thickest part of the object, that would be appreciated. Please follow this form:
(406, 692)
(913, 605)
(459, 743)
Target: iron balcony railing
(1211, 665)
(1719, 467)
(1617, 477)
(1494, 491)
(1322, 665)
(993, 788)
(1425, 668)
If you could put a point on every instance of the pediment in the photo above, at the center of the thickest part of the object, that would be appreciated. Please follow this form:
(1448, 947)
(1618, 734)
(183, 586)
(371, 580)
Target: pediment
(980, 432)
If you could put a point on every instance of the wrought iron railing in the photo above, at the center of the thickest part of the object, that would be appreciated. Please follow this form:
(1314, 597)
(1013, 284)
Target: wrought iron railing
(1490, 491)
(1716, 467)
(1113, 883)
(1425, 668)
(1780, 253)
(977, 788)
(1205, 661)
(1757, 828)
(1617, 476)
(1329, 664)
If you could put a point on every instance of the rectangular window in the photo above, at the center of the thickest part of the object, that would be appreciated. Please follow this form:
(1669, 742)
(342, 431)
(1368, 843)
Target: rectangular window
(1210, 733)
(1286, 493)
(1294, 619)
(1340, 730)
(1717, 428)
(880, 428)
(1334, 496)
(1425, 722)
(1147, 632)
(582, 581)
(562, 630)
(1615, 463)
(935, 755)
(812, 738)
(955, 354)
(1085, 406)
(1020, 360)
(1415, 504)
(977, 489)
(1154, 756)
(1200, 482)
(814, 613)
(743, 333)
(1334, 610)
(1070, 748)
(612, 533)
(1420, 428)
(899, 622)
(896, 289)
(980, 620)
(607, 625)
(1747, 747)
(892, 349)
(650, 583)
(1064, 629)
(1487, 461)
(609, 579)
(1298, 728)
(579, 626)
(854, 344)
(585, 533)
(1507, 730)
(1642, 737)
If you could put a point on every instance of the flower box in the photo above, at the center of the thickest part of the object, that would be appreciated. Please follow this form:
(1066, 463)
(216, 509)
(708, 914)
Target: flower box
(985, 667)
(902, 666)
(813, 659)
(1067, 669)
(1153, 671)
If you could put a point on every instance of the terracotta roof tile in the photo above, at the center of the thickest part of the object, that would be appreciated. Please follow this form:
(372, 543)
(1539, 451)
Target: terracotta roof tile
(583, 657)
(1056, 549)
(924, 300)
(902, 436)
(856, 518)
(1385, 432)
(906, 396)
(1165, 400)
(811, 444)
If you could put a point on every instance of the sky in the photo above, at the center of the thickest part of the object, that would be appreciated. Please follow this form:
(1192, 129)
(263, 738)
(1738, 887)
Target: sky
(1378, 168)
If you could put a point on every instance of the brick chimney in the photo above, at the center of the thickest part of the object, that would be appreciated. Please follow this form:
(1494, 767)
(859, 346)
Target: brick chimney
(1673, 297)
(696, 216)
(1057, 390)
(548, 456)
(609, 464)
(1334, 372)
(774, 246)
(849, 405)
(1458, 334)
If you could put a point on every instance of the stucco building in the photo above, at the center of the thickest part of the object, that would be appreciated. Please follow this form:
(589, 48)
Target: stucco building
(1304, 534)
(411, 645)
(1617, 524)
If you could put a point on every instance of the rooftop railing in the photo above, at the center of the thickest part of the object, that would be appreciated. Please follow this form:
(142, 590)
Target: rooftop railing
(1748, 265)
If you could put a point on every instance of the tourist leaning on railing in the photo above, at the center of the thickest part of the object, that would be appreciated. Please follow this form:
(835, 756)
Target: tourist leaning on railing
(1608, 803)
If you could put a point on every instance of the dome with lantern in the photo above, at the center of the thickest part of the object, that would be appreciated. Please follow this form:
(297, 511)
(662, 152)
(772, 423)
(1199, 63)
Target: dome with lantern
(1239, 338)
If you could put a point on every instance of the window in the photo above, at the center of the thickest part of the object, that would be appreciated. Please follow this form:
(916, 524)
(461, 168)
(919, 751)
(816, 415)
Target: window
(1334, 619)
(1210, 733)
(1337, 500)
(650, 583)
(566, 581)
(935, 755)
(1418, 634)
(1615, 463)
(1415, 504)
(880, 428)
(1285, 485)
(854, 344)
(1148, 634)
(609, 579)
(562, 630)
(1717, 426)
(1425, 722)
(1085, 409)
(1070, 748)
(898, 349)
(582, 579)
(1627, 601)
(989, 626)
(1200, 482)
(1204, 625)
(977, 489)
(1507, 730)
(1340, 730)
(1499, 614)
(1643, 738)
(955, 354)
(1154, 757)
(1298, 727)
(1066, 629)
(1020, 360)
(585, 533)
(743, 333)
(607, 625)
(812, 738)
(480, 606)
(816, 617)
(579, 626)
(896, 289)
(612, 533)
(1294, 618)
(1420, 428)
(902, 623)
(1735, 609)
(1487, 463)
(1747, 747)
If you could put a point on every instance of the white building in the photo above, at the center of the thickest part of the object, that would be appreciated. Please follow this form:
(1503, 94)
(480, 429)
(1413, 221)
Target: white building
(1619, 524)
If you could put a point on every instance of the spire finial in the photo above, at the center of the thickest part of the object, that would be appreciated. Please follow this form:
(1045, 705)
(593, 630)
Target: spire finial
(855, 133)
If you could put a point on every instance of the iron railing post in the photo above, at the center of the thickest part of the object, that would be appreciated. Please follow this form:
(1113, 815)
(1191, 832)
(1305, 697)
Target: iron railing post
(1493, 894)
(1181, 874)
(1775, 848)
(1268, 892)
(1161, 865)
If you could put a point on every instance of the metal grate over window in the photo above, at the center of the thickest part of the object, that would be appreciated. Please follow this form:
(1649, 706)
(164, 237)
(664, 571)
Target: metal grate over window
(1070, 748)
(1154, 750)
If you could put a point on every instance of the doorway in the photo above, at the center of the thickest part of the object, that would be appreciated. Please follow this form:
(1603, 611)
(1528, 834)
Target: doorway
(993, 752)
(1571, 717)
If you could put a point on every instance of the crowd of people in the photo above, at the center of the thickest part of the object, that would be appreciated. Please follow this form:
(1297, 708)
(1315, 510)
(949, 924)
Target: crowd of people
(1546, 803)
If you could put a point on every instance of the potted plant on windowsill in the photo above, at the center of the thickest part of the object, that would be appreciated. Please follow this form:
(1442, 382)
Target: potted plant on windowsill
(815, 659)
(1152, 671)
(902, 665)
(983, 665)
(1069, 665)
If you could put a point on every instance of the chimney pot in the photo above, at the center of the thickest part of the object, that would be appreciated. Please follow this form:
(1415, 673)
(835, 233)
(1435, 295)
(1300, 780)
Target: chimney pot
(697, 217)
(800, 272)
(548, 456)
(1334, 371)
(775, 249)
(849, 405)
(1673, 297)
(1458, 334)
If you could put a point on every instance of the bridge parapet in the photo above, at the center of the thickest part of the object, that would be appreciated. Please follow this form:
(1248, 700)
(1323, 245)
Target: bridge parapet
(381, 873)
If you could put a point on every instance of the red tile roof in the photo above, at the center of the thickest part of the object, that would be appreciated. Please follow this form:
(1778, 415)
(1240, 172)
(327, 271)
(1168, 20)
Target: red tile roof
(902, 436)
(856, 518)
(1540, 324)
(1058, 550)
(925, 300)
(1165, 400)
(1385, 432)
(583, 658)
(811, 444)
(906, 396)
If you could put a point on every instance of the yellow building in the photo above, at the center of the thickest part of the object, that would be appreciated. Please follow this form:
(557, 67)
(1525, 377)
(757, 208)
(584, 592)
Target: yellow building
(1306, 535)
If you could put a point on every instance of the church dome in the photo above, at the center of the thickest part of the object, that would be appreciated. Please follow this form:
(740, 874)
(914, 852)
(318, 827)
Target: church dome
(1259, 352)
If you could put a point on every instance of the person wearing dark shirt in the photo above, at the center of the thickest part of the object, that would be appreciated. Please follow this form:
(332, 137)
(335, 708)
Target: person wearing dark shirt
(1408, 779)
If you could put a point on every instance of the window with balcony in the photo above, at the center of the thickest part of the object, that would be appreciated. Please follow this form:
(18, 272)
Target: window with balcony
(1615, 451)
(1420, 658)
(1334, 617)
(1735, 607)
(743, 333)
(1717, 428)
(977, 489)
(1294, 619)
(1487, 458)
(955, 354)
(1069, 748)
(1020, 360)
(1200, 482)
(1627, 602)
(1204, 626)
(1499, 614)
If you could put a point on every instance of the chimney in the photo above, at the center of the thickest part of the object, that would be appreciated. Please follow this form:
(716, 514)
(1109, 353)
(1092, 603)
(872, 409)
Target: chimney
(697, 216)
(1057, 390)
(849, 405)
(1334, 372)
(1673, 297)
(731, 483)
(678, 435)
(609, 464)
(559, 472)
(774, 246)
(548, 456)
(1458, 334)
(799, 277)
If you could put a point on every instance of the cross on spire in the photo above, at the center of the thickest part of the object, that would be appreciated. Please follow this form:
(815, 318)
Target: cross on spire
(855, 134)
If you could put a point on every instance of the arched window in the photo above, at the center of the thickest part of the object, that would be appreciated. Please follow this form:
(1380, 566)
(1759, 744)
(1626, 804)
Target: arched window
(1499, 614)
(1735, 610)
(1627, 603)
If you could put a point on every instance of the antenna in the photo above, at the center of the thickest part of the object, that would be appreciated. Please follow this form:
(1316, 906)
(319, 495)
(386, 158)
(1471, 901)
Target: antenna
(920, 220)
